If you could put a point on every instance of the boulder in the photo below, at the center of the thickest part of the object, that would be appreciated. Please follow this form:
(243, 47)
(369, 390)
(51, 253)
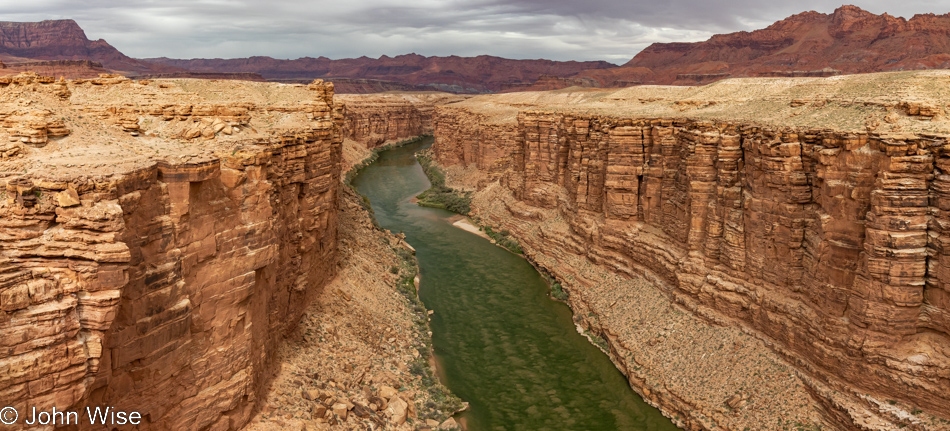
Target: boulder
(397, 410)
(449, 424)
(67, 198)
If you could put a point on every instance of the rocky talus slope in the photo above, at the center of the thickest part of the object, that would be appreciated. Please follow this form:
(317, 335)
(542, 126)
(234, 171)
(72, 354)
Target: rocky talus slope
(156, 238)
(758, 253)
(357, 360)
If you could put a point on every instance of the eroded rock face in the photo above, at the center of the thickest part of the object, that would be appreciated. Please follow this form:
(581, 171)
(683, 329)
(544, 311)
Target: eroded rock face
(380, 118)
(465, 138)
(831, 244)
(59, 68)
(161, 288)
(64, 40)
(809, 44)
(374, 122)
(33, 127)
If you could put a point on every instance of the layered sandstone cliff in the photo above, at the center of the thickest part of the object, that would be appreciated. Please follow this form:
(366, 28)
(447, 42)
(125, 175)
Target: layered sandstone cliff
(817, 231)
(63, 68)
(147, 267)
(375, 119)
(849, 40)
(63, 39)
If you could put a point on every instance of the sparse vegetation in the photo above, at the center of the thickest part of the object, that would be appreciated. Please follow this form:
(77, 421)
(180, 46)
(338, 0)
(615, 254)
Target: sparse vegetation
(597, 340)
(446, 198)
(504, 239)
(442, 403)
(440, 196)
(806, 427)
(557, 291)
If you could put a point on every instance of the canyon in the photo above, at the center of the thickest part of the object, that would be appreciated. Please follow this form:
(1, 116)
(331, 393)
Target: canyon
(786, 228)
(168, 246)
(762, 253)
(378, 119)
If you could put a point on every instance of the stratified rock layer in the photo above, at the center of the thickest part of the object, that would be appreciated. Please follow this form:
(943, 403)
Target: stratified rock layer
(379, 118)
(830, 245)
(63, 39)
(849, 40)
(152, 281)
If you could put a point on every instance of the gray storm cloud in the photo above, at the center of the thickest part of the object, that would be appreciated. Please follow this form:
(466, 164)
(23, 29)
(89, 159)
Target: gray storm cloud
(608, 30)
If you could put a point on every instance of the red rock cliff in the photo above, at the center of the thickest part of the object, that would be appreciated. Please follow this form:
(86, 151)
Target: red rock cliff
(158, 283)
(64, 40)
(380, 118)
(829, 244)
(850, 40)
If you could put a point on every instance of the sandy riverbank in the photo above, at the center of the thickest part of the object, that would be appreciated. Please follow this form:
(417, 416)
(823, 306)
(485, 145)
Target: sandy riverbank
(464, 223)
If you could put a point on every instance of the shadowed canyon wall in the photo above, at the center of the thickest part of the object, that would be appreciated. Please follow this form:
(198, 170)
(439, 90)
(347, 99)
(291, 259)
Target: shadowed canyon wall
(161, 288)
(830, 245)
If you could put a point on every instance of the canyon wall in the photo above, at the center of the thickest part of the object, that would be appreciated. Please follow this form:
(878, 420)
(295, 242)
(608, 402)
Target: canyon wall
(380, 118)
(830, 246)
(154, 275)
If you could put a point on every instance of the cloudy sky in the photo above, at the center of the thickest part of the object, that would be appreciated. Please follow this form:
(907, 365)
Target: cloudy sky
(611, 30)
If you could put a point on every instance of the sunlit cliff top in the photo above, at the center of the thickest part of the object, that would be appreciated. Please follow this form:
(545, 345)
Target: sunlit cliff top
(893, 102)
(113, 125)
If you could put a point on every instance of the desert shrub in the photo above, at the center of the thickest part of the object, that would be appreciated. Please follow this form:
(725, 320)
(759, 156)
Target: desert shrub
(504, 239)
(438, 195)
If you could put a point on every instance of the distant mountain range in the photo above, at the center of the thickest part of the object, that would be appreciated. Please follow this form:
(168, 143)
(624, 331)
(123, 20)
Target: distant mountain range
(455, 74)
(33, 45)
(64, 40)
(850, 40)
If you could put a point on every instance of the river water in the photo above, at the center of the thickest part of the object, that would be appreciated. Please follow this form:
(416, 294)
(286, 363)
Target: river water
(501, 343)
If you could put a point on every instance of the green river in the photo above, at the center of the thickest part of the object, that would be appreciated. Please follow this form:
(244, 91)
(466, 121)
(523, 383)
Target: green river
(500, 342)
